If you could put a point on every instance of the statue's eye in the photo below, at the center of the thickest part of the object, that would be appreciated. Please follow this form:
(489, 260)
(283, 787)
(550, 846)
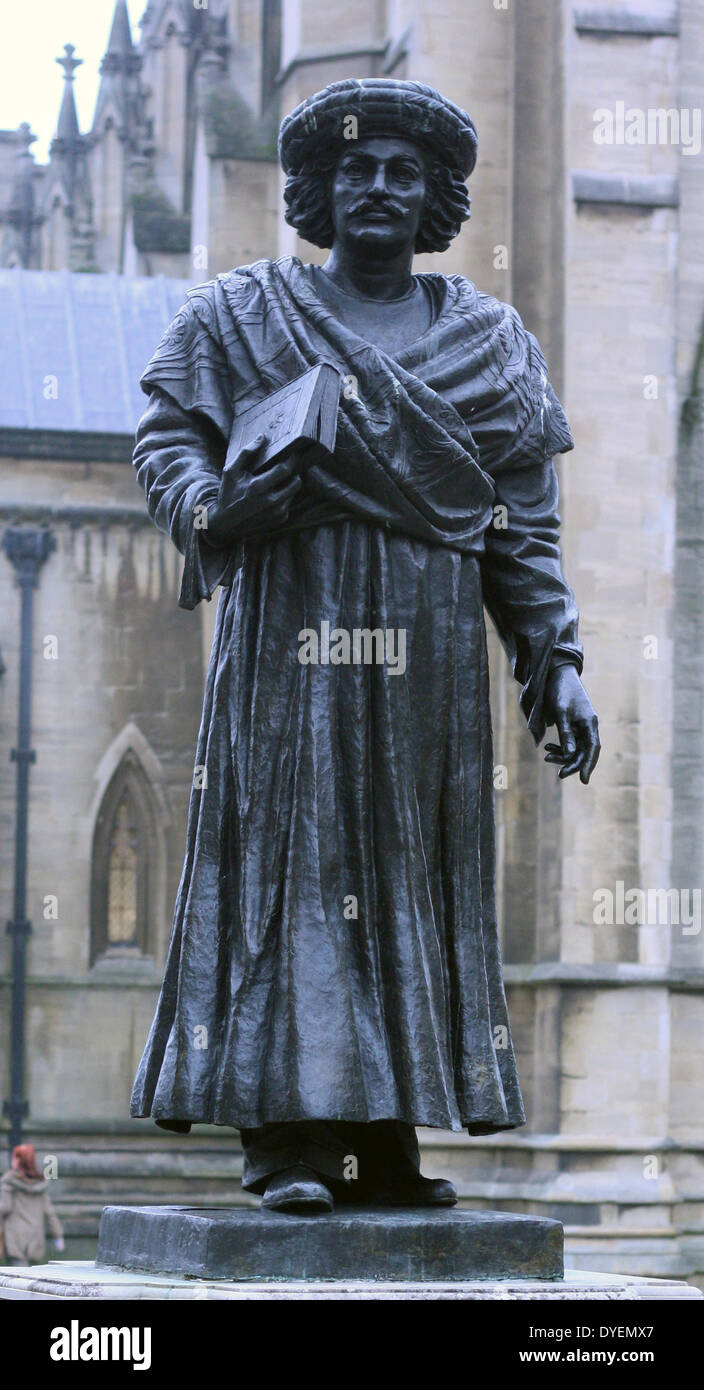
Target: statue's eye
(353, 170)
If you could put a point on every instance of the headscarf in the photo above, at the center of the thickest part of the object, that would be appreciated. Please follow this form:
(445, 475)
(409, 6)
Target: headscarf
(24, 1161)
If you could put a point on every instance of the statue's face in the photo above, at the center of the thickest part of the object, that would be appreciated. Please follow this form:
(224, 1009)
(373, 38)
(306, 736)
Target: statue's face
(378, 194)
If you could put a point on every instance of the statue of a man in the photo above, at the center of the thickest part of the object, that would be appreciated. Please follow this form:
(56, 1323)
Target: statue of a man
(334, 975)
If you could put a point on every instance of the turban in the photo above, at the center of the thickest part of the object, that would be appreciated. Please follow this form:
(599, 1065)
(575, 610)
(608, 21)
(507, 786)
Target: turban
(380, 106)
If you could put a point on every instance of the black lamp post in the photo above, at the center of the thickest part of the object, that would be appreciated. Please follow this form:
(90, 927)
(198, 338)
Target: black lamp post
(27, 550)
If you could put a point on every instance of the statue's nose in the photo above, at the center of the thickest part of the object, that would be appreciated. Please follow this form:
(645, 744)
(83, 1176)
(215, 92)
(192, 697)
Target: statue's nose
(378, 184)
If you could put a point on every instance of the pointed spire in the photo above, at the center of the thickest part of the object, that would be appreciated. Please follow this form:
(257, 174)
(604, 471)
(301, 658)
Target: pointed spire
(120, 40)
(67, 128)
(120, 53)
(119, 92)
(68, 153)
(22, 200)
(21, 214)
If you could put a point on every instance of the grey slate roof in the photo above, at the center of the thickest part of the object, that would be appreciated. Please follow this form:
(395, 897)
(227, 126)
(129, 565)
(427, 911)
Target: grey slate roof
(94, 333)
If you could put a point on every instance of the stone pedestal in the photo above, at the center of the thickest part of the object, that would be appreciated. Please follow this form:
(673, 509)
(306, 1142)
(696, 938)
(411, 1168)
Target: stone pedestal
(424, 1245)
(187, 1253)
(83, 1279)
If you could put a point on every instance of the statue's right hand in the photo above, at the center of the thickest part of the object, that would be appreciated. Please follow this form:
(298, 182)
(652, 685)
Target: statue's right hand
(247, 495)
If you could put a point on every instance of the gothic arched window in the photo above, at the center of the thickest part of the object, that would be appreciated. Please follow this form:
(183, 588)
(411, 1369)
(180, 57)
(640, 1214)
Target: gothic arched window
(123, 866)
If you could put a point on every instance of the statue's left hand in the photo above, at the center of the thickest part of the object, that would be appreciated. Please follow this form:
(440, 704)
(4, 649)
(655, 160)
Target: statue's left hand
(568, 706)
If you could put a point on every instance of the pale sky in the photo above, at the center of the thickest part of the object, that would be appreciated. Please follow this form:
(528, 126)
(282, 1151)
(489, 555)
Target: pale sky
(33, 34)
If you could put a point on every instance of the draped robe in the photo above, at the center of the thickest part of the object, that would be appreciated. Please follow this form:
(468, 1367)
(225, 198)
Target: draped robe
(329, 785)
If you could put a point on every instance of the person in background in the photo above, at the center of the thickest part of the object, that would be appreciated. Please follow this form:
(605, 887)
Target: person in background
(25, 1207)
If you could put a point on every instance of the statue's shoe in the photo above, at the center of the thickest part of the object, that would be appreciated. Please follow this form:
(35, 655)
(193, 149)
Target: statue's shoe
(409, 1190)
(424, 1192)
(298, 1190)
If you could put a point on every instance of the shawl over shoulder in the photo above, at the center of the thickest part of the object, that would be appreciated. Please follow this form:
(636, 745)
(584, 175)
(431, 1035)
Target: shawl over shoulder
(450, 442)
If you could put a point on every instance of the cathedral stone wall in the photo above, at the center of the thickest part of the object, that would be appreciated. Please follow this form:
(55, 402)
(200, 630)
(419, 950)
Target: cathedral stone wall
(117, 672)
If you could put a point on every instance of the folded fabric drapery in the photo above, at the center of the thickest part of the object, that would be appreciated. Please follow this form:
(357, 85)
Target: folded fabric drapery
(348, 782)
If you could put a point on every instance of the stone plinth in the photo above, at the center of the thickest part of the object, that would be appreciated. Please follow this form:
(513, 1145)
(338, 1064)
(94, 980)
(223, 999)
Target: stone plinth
(64, 1279)
(444, 1245)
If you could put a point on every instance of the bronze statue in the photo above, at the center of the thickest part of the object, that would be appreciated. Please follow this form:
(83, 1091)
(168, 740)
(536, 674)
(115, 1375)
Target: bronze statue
(334, 976)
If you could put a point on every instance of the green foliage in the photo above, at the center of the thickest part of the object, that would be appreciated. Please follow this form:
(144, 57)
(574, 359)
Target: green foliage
(692, 406)
(233, 131)
(157, 226)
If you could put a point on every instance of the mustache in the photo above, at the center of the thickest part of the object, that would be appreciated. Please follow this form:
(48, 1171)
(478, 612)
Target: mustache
(382, 204)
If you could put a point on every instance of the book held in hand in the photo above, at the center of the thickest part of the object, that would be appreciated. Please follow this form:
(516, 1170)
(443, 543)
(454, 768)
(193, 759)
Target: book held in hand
(302, 413)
